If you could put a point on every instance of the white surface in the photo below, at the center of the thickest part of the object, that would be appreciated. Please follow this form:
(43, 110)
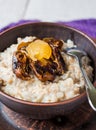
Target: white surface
(58, 10)
(11, 11)
(46, 10)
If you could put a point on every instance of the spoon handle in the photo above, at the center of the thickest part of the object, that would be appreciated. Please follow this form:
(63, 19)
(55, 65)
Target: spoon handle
(90, 89)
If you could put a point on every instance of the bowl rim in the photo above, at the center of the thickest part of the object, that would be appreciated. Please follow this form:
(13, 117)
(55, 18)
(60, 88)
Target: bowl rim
(51, 24)
(21, 101)
(67, 101)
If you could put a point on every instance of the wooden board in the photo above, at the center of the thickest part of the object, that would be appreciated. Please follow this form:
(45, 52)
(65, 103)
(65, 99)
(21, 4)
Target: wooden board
(78, 119)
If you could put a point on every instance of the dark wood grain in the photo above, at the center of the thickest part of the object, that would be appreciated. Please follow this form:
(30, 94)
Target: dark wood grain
(76, 120)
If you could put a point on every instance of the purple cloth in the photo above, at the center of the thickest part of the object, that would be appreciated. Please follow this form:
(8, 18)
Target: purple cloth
(87, 26)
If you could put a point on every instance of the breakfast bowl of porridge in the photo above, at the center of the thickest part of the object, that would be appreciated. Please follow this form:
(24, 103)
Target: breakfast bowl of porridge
(37, 76)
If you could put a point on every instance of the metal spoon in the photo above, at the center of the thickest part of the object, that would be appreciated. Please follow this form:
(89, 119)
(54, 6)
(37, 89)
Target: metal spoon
(90, 89)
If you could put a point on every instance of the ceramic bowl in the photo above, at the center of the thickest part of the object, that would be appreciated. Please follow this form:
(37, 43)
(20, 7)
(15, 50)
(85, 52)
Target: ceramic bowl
(47, 110)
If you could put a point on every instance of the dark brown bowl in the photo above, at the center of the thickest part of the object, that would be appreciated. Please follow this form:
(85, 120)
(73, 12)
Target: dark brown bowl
(46, 110)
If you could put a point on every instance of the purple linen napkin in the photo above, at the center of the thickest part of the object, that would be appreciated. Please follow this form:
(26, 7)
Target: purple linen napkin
(87, 26)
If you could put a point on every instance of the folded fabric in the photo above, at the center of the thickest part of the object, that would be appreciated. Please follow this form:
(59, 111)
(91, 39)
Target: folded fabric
(87, 26)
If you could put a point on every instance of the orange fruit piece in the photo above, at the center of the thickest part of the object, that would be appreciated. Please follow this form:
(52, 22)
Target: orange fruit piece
(38, 50)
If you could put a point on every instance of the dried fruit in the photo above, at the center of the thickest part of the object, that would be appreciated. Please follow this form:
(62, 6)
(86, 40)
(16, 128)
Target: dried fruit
(39, 50)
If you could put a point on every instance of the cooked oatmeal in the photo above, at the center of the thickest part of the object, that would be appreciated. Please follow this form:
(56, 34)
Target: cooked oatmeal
(63, 87)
